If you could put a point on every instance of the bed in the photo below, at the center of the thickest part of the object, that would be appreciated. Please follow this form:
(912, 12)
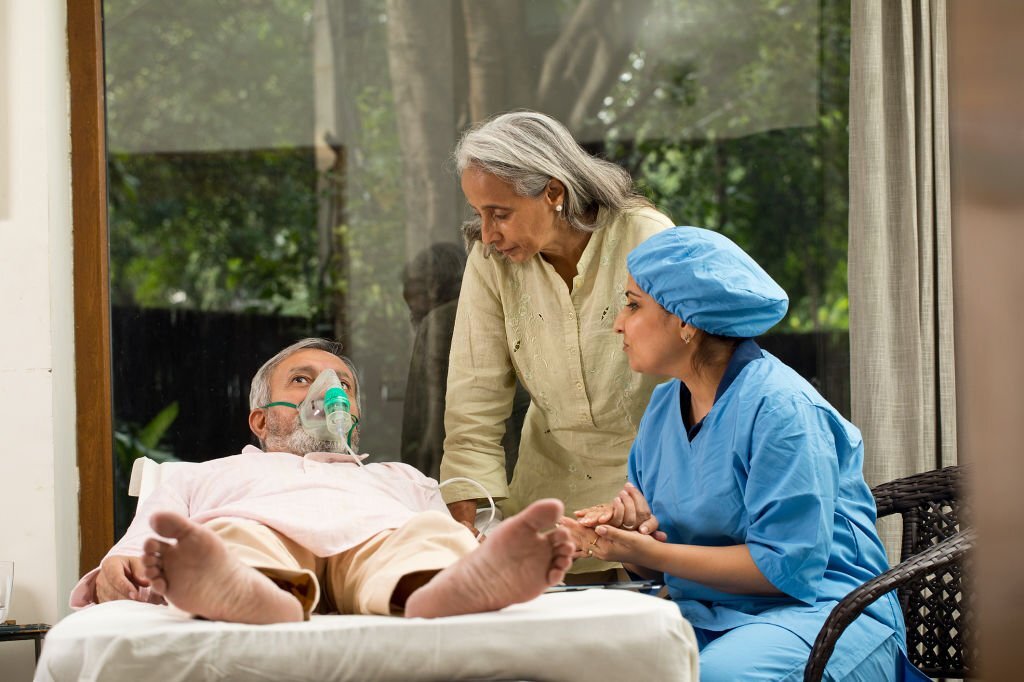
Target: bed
(591, 635)
(594, 634)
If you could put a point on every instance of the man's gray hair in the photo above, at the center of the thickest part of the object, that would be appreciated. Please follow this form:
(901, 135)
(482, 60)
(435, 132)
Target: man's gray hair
(259, 392)
(527, 149)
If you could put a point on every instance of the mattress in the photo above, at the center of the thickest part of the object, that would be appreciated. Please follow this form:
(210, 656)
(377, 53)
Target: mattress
(590, 635)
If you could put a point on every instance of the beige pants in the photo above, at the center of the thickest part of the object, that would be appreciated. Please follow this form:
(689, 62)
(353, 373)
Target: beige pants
(359, 580)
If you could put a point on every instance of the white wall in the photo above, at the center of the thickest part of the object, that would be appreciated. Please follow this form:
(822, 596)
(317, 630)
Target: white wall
(38, 480)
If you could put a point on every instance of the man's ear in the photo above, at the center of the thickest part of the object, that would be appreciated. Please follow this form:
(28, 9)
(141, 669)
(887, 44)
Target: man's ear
(258, 423)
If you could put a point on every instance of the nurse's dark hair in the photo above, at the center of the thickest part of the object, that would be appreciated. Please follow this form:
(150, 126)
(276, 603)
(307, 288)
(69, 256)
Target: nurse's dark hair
(528, 149)
(259, 392)
(713, 350)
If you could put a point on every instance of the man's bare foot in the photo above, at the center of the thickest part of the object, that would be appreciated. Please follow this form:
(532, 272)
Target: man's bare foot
(521, 558)
(199, 575)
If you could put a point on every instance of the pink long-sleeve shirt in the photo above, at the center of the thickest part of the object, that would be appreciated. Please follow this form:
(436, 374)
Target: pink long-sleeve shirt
(323, 501)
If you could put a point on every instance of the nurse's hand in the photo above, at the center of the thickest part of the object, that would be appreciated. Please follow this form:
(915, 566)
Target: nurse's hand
(629, 511)
(615, 544)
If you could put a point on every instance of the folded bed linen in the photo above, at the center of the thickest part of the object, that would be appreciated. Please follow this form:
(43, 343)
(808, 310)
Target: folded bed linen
(590, 635)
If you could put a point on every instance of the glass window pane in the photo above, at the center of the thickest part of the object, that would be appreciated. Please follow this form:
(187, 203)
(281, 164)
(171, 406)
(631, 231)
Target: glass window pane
(281, 168)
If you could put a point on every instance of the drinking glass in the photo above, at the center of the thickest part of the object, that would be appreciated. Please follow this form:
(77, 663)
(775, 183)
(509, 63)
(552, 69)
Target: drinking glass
(6, 587)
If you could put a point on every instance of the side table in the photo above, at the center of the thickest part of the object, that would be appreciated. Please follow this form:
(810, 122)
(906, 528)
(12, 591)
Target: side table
(35, 631)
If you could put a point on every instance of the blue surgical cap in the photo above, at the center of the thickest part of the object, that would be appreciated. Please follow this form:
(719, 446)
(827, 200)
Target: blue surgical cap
(706, 280)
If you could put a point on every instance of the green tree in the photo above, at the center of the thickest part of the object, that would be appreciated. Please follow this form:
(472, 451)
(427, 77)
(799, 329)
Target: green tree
(732, 164)
(212, 180)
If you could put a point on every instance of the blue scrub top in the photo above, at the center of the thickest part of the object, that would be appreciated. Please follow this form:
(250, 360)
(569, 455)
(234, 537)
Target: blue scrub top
(773, 466)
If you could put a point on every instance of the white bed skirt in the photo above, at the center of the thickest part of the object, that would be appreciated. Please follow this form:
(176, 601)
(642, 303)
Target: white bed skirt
(591, 635)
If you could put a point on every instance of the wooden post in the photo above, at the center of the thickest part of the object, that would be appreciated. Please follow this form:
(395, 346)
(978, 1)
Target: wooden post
(91, 281)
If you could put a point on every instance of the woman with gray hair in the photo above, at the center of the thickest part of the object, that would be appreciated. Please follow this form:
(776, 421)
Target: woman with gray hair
(542, 285)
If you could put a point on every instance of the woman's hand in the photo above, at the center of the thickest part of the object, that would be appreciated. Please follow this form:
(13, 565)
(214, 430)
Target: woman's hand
(464, 512)
(615, 544)
(629, 511)
(586, 539)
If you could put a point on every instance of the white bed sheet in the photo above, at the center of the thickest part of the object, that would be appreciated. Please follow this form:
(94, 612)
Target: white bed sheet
(591, 635)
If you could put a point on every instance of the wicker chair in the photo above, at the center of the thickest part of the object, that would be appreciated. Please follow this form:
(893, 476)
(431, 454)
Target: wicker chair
(928, 578)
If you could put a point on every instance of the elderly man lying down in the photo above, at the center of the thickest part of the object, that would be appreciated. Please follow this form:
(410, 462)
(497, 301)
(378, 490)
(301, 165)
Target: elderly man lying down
(255, 538)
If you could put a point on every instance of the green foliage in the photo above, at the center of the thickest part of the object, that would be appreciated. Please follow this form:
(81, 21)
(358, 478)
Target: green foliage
(207, 74)
(765, 191)
(778, 190)
(720, 114)
(375, 214)
(211, 175)
(130, 443)
(226, 231)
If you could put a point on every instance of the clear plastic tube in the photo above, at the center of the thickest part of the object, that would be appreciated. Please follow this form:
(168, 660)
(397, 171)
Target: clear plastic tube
(490, 500)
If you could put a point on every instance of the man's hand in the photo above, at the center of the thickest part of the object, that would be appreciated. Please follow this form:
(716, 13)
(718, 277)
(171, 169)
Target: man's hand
(582, 536)
(121, 577)
(464, 511)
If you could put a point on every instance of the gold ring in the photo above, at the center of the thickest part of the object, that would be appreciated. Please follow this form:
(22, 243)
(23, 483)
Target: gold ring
(627, 527)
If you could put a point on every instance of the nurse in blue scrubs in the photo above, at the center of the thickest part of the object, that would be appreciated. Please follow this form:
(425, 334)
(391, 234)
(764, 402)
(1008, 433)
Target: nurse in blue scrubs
(746, 493)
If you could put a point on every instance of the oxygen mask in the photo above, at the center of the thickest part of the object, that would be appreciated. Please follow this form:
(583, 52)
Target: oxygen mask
(326, 412)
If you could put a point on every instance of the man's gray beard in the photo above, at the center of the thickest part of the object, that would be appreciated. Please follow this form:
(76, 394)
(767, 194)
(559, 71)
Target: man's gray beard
(284, 437)
(300, 443)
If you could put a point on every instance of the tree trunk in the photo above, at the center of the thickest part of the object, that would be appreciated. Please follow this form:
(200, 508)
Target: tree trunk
(501, 69)
(583, 64)
(421, 59)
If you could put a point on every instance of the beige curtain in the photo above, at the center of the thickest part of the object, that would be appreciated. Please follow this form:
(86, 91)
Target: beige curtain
(900, 272)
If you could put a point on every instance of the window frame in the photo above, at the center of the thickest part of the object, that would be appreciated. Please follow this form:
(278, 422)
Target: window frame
(94, 425)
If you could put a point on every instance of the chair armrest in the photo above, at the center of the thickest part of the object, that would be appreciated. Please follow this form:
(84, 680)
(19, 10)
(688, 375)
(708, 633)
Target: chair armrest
(935, 558)
(139, 467)
(147, 474)
(896, 497)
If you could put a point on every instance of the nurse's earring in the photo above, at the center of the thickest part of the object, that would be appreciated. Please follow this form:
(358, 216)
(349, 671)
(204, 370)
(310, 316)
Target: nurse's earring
(686, 339)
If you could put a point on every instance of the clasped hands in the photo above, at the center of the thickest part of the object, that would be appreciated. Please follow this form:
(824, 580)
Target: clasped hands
(616, 530)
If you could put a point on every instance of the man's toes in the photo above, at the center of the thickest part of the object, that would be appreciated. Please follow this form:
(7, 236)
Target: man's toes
(154, 546)
(543, 514)
(170, 525)
(566, 549)
(560, 536)
(158, 584)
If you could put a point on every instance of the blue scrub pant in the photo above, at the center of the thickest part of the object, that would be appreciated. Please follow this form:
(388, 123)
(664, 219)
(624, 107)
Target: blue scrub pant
(761, 651)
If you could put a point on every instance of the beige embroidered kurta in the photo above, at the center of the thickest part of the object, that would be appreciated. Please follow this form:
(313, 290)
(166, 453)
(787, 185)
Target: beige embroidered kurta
(521, 320)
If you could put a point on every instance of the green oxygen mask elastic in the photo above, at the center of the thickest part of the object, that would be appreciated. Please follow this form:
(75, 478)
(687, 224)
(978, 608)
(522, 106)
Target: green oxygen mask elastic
(326, 412)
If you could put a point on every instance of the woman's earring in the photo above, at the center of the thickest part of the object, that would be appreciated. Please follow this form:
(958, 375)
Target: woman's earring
(686, 339)
(558, 208)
